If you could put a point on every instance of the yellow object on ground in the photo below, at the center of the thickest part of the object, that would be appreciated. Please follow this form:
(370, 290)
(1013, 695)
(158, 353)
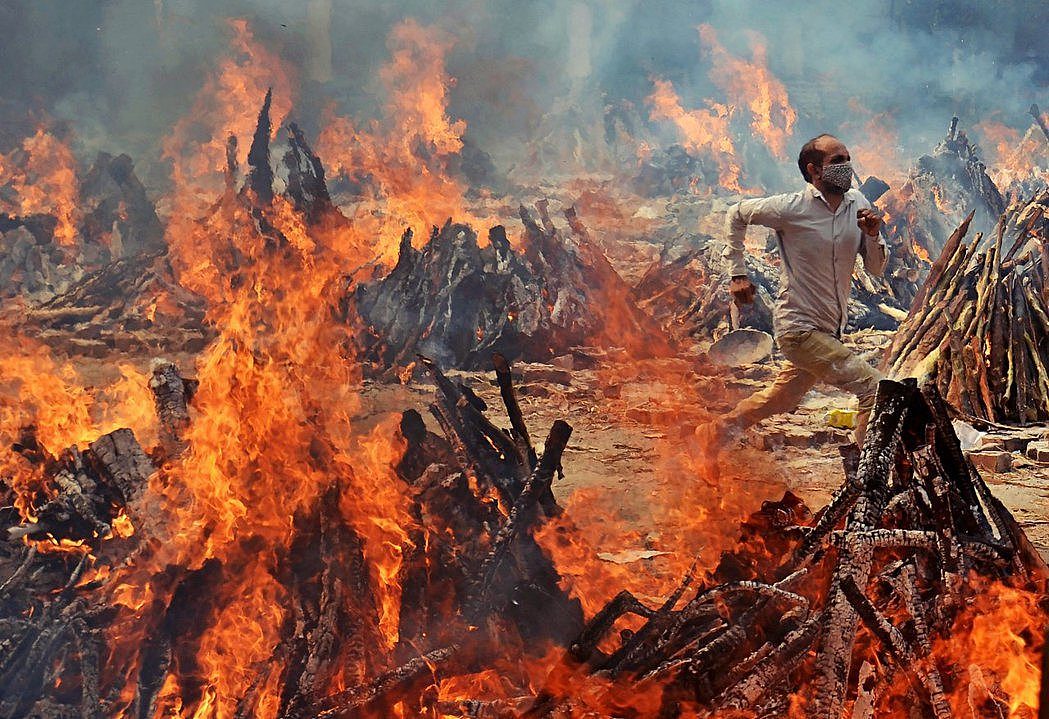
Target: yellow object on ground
(842, 418)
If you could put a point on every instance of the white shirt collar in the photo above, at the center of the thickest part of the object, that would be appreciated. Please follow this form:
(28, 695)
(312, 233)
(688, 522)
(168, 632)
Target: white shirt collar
(819, 195)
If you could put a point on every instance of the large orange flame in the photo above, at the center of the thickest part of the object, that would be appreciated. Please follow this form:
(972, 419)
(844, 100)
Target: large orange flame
(63, 408)
(704, 132)
(274, 426)
(404, 163)
(227, 105)
(752, 85)
(1014, 160)
(874, 144)
(43, 178)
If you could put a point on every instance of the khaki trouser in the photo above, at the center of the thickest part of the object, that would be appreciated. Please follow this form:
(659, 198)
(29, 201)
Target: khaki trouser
(813, 356)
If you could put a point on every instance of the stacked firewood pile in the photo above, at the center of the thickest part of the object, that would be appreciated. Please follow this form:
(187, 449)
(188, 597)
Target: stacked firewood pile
(873, 582)
(942, 189)
(979, 327)
(116, 220)
(900, 551)
(131, 304)
(1022, 166)
(114, 289)
(135, 302)
(115, 206)
(668, 171)
(686, 289)
(32, 265)
(459, 302)
(476, 558)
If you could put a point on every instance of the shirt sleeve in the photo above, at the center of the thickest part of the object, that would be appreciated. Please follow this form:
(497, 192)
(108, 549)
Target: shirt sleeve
(766, 211)
(873, 250)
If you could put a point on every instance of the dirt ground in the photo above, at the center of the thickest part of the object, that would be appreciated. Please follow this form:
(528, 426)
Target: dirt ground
(617, 440)
(626, 421)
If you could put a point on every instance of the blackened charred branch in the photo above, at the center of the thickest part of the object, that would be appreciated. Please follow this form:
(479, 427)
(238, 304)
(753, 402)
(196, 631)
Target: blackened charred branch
(523, 513)
(883, 436)
(513, 410)
(499, 464)
(90, 487)
(232, 172)
(260, 174)
(915, 522)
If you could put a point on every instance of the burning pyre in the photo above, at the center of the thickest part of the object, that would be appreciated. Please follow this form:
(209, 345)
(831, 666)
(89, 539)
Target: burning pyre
(894, 578)
(241, 544)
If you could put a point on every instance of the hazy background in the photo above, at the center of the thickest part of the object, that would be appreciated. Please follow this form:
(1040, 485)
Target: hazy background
(118, 73)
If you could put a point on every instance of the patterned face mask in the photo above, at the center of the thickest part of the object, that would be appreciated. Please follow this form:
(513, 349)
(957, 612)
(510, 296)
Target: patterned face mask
(838, 176)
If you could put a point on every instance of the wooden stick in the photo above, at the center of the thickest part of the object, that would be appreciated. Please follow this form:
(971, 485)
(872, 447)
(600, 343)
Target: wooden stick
(521, 515)
(835, 656)
(947, 255)
(504, 377)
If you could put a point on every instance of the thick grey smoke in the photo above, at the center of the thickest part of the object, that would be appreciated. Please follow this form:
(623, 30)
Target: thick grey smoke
(120, 72)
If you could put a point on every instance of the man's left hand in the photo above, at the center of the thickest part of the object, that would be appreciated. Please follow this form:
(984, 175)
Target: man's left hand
(869, 221)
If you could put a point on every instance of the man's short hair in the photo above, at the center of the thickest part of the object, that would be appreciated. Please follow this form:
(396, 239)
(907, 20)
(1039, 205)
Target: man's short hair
(811, 153)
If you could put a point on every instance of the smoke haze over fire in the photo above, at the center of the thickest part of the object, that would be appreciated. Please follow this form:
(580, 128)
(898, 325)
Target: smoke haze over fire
(121, 73)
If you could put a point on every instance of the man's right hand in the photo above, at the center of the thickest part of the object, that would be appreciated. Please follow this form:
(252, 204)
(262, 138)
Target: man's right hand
(742, 290)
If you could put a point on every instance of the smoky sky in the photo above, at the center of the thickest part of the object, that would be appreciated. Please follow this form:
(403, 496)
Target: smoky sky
(118, 73)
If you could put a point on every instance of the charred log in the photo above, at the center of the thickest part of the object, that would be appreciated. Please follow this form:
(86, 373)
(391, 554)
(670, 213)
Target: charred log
(461, 303)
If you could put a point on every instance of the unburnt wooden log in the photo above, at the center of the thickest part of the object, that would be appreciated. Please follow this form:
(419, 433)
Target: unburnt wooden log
(979, 329)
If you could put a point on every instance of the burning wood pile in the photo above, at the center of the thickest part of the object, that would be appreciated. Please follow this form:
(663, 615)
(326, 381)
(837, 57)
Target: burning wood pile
(855, 607)
(459, 302)
(131, 304)
(92, 277)
(920, 215)
(877, 583)
(49, 243)
(476, 566)
(686, 289)
(665, 172)
(979, 327)
(1021, 162)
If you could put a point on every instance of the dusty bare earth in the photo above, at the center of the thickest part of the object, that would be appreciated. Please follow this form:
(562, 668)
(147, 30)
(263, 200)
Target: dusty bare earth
(618, 439)
(627, 420)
